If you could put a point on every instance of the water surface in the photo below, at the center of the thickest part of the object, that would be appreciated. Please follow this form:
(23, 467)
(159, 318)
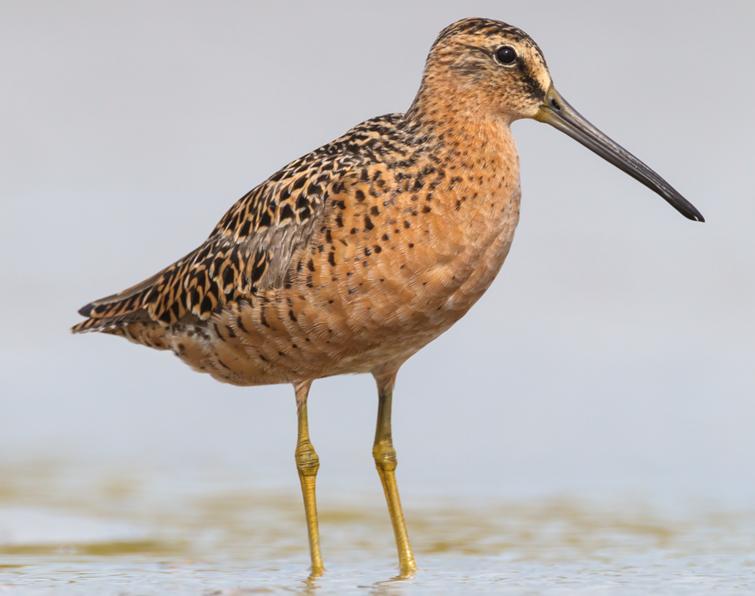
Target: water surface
(70, 531)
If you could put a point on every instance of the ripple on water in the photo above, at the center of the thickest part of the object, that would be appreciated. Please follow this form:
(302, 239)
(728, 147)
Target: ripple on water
(129, 534)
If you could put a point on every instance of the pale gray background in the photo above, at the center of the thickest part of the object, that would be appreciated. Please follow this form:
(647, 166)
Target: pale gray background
(613, 356)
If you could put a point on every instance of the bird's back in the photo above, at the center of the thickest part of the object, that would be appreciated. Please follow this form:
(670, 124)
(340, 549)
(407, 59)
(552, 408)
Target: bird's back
(248, 250)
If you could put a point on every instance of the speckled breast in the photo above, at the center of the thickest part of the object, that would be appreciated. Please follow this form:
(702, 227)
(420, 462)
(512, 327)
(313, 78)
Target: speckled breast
(378, 282)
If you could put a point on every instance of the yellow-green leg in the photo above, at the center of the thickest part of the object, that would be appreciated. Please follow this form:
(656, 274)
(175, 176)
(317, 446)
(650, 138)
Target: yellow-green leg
(385, 460)
(307, 463)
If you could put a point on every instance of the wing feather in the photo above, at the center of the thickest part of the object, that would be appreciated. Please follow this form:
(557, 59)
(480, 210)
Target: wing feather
(249, 250)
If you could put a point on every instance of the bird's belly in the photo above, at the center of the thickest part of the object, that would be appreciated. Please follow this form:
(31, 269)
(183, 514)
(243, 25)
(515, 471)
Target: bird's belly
(371, 316)
(414, 315)
(410, 298)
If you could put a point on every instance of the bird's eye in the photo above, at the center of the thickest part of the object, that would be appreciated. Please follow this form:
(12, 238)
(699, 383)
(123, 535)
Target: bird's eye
(506, 55)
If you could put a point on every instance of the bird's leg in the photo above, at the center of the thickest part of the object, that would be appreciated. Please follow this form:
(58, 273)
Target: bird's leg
(307, 463)
(385, 460)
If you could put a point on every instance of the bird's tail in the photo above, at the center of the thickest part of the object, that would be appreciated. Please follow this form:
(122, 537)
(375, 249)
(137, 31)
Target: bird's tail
(118, 310)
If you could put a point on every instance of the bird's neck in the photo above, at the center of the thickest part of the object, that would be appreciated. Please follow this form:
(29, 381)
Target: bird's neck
(464, 130)
(477, 191)
(474, 145)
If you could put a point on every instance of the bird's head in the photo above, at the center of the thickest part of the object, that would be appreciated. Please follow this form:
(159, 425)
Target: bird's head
(483, 67)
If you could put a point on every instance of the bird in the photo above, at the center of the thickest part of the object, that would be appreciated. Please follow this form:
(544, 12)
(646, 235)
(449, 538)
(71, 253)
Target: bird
(353, 257)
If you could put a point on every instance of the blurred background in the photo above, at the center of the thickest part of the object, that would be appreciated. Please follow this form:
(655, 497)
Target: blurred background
(611, 361)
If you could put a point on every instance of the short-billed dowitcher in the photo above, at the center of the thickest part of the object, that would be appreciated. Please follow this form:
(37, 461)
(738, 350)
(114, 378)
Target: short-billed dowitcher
(353, 257)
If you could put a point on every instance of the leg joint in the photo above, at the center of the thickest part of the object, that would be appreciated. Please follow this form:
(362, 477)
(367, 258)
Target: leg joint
(385, 455)
(307, 461)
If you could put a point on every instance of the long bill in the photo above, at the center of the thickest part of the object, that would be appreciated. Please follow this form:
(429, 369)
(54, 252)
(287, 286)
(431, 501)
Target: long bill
(557, 112)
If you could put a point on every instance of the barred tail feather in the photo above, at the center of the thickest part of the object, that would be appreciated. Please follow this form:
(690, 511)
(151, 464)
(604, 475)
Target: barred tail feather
(108, 325)
(116, 311)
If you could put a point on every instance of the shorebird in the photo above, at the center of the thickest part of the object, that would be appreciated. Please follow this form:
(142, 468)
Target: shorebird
(353, 257)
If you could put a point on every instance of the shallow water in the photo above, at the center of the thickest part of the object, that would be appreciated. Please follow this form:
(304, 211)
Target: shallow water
(64, 530)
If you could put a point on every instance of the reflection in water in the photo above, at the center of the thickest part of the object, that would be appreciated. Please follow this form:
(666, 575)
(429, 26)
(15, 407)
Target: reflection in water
(97, 533)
